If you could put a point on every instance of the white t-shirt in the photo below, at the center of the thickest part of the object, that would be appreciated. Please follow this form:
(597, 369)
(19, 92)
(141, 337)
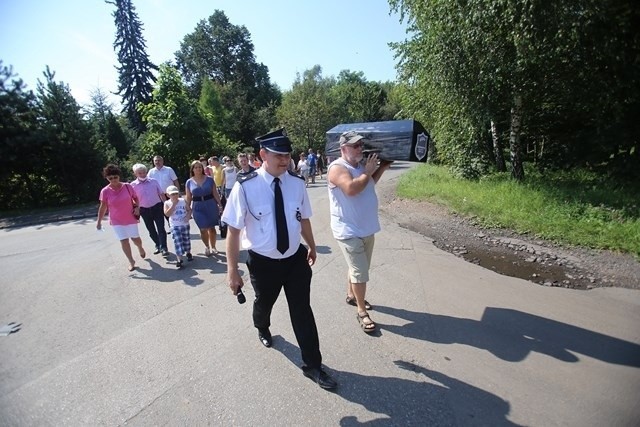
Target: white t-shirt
(230, 175)
(303, 166)
(353, 216)
(179, 216)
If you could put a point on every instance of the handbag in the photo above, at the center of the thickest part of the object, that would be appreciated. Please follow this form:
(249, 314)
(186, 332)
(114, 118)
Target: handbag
(135, 213)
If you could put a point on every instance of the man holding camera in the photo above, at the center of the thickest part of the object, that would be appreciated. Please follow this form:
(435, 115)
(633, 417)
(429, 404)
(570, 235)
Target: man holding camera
(272, 206)
(354, 216)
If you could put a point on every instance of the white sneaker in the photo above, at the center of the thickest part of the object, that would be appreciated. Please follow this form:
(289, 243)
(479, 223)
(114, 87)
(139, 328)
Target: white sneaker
(207, 252)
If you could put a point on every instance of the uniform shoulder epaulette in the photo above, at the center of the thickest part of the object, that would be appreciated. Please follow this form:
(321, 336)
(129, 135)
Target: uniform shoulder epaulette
(296, 175)
(244, 178)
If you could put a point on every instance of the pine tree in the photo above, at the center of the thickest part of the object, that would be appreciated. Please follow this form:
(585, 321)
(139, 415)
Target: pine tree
(69, 163)
(135, 76)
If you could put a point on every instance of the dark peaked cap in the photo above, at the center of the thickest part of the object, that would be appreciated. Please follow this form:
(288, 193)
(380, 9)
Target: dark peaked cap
(276, 142)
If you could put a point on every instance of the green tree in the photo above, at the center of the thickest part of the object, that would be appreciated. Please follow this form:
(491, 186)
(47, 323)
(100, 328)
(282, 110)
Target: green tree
(559, 80)
(444, 83)
(135, 73)
(108, 137)
(177, 130)
(392, 107)
(308, 110)
(19, 147)
(211, 107)
(221, 52)
(360, 100)
(69, 165)
(217, 50)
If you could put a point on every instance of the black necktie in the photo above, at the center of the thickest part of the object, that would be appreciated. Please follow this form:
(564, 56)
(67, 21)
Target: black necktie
(281, 220)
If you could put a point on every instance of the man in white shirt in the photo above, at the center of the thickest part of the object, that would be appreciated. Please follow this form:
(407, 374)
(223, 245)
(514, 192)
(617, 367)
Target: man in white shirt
(353, 204)
(268, 211)
(164, 175)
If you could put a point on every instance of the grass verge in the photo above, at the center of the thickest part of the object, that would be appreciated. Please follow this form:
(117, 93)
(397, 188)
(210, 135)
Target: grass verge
(576, 208)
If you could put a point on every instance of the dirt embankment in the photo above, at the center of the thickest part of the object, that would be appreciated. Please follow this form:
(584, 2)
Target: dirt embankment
(536, 260)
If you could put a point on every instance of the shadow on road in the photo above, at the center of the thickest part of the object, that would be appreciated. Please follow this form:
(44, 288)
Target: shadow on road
(407, 402)
(324, 250)
(511, 335)
(166, 272)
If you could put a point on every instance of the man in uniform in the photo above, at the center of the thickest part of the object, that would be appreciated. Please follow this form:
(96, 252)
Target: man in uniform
(272, 208)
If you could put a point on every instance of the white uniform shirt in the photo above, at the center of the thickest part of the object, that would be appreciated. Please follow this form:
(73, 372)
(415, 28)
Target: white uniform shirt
(164, 176)
(353, 216)
(251, 208)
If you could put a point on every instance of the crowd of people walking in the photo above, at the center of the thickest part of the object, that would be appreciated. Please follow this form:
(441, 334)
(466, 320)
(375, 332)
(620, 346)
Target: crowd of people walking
(264, 203)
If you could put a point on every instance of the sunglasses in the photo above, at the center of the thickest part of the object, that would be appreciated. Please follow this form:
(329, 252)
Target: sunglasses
(356, 145)
(112, 177)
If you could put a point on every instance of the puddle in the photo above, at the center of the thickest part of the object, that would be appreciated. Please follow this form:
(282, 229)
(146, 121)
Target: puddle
(539, 268)
(514, 266)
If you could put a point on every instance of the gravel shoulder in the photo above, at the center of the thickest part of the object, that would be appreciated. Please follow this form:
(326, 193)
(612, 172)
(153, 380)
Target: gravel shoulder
(538, 261)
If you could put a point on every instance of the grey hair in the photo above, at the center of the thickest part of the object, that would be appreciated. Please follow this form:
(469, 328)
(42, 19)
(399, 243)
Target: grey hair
(139, 166)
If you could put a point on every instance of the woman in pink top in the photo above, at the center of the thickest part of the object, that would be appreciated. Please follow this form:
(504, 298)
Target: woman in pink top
(121, 201)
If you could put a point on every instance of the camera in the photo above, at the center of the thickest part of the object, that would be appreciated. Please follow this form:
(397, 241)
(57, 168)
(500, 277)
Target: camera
(241, 298)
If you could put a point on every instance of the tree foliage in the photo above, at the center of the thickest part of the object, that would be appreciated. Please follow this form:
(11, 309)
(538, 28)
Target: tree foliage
(557, 82)
(135, 72)
(210, 106)
(46, 154)
(69, 159)
(315, 104)
(177, 130)
(45, 136)
(222, 53)
(18, 145)
(360, 100)
(307, 110)
(107, 134)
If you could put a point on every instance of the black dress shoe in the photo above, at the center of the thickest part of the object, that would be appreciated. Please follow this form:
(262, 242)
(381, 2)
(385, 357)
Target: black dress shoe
(323, 379)
(264, 335)
(157, 251)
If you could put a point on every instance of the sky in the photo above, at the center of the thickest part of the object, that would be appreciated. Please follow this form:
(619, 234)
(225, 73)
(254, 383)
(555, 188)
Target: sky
(75, 37)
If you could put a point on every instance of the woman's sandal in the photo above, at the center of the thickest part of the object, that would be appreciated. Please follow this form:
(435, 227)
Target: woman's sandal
(352, 301)
(367, 327)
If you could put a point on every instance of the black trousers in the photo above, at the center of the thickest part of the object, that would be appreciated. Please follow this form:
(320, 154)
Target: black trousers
(293, 274)
(153, 218)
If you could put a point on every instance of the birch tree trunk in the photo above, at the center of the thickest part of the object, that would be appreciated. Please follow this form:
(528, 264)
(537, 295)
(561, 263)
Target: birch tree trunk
(517, 169)
(497, 148)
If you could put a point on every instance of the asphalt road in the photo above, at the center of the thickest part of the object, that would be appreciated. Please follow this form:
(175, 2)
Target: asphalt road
(458, 344)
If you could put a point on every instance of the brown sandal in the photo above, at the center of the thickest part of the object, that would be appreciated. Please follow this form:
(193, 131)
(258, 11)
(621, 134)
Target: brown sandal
(352, 301)
(367, 327)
